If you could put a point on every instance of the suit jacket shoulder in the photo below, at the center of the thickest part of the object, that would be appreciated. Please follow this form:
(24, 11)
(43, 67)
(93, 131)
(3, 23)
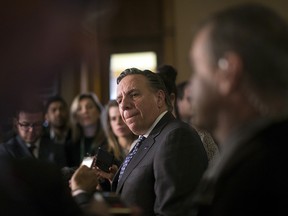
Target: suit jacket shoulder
(15, 148)
(162, 176)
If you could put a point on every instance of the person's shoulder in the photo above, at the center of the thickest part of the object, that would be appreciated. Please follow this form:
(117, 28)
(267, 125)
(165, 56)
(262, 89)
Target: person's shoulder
(10, 142)
(179, 124)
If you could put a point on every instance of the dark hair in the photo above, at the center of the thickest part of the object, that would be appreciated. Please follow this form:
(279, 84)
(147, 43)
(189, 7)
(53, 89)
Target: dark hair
(169, 75)
(154, 80)
(53, 99)
(180, 89)
(260, 37)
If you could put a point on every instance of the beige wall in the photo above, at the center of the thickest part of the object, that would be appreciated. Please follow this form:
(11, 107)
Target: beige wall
(188, 12)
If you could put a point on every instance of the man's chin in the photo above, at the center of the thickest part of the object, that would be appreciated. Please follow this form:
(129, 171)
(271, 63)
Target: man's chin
(31, 141)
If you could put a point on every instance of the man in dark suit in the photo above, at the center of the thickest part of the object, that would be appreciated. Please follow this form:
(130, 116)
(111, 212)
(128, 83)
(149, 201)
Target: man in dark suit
(162, 174)
(239, 93)
(28, 141)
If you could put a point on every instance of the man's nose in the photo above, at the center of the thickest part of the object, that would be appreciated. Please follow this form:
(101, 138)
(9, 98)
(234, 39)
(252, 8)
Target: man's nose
(125, 103)
(31, 128)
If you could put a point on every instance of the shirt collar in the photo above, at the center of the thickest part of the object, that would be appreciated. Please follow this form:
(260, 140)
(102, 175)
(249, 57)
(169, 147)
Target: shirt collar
(154, 124)
(36, 144)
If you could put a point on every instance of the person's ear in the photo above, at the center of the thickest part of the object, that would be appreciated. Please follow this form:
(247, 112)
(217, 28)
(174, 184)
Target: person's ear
(230, 70)
(161, 98)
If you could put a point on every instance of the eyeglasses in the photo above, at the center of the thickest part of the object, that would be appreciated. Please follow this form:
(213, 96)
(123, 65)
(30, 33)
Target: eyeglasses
(27, 126)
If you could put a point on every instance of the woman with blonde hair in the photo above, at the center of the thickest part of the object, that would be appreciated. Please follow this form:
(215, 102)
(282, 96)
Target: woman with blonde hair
(87, 130)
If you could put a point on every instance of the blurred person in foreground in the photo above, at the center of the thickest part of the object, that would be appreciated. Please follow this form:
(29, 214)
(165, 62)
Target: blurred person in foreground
(185, 110)
(34, 188)
(240, 94)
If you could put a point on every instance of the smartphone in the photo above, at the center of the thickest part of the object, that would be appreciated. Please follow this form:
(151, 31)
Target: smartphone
(104, 160)
(88, 161)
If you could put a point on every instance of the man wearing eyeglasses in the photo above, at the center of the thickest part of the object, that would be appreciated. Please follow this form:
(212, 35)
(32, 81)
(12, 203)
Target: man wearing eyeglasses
(29, 141)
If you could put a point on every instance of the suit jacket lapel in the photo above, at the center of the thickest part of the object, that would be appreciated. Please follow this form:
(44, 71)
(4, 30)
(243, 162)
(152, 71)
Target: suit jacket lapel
(142, 151)
(20, 148)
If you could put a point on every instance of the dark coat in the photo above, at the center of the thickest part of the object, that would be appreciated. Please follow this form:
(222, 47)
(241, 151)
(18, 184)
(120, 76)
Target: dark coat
(48, 151)
(251, 180)
(35, 188)
(163, 175)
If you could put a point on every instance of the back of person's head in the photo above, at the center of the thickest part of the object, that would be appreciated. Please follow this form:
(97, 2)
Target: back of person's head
(259, 36)
(169, 74)
(154, 81)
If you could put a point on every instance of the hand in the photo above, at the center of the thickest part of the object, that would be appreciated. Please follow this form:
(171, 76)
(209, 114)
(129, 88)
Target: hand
(85, 179)
(113, 169)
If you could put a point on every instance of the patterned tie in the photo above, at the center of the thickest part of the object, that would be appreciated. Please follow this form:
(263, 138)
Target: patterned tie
(130, 156)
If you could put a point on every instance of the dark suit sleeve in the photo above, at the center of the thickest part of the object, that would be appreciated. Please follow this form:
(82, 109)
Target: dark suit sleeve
(83, 199)
(178, 168)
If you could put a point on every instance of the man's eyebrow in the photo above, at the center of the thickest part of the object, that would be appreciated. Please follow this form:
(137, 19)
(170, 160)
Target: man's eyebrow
(128, 92)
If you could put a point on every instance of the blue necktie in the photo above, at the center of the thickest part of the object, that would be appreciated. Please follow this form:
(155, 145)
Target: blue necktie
(130, 156)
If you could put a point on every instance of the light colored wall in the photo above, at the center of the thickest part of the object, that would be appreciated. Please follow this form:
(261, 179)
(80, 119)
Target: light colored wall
(189, 12)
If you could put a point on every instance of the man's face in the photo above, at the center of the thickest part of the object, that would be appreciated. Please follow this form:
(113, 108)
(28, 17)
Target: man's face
(29, 126)
(57, 115)
(205, 97)
(138, 104)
